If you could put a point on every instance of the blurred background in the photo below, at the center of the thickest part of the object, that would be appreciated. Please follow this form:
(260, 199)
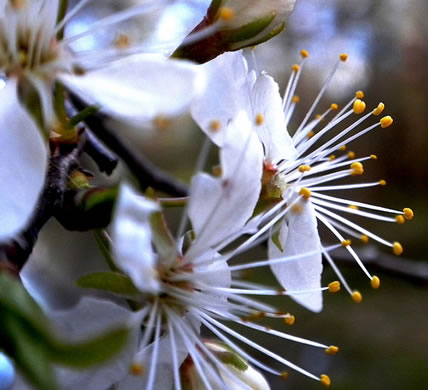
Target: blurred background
(384, 340)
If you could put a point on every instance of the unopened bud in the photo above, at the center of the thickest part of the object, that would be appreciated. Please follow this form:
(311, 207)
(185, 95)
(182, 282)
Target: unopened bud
(237, 24)
(234, 367)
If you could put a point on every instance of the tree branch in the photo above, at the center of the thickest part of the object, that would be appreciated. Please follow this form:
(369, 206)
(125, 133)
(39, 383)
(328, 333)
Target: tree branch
(144, 171)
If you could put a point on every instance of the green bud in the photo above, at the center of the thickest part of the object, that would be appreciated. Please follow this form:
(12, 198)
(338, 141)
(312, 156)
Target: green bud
(237, 24)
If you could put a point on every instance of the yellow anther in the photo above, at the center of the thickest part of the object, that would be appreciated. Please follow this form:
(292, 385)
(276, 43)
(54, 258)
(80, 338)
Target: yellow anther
(17, 4)
(122, 41)
(375, 282)
(290, 319)
(305, 193)
(332, 157)
(359, 94)
(400, 219)
(136, 369)
(379, 109)
(284, 375)
(357, 297)
(215, 126)
(364, 239)
(304, 168)
(325, 380)
(351, 155)
(343, 57)
(259, 119)
(226, 13)
(295, 68)
(332, 350)
(318, 116)
(408, 213)
(397, 248)
(334, 106)
(161, 122)
(334, 287)
(357, 169)
(386, 121)
(295, 99)
(373, 157)
(342, 148)
(304, 53)
(311, 134)
(359, 106)
(217, 171)
(346, 243)
(382, 182)
(353, 207)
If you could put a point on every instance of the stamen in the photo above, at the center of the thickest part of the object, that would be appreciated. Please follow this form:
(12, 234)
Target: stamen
(379, 109)
(136, 369)
(408, 214)
(226, 14)
(357, 297)
(397, 248)
(325, 380)
(359, 106)
(334, 287)
(375, 282)
(332, 350)
(386, 121)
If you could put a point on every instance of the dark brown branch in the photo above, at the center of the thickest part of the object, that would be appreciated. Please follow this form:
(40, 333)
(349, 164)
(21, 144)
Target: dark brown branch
(144, 171)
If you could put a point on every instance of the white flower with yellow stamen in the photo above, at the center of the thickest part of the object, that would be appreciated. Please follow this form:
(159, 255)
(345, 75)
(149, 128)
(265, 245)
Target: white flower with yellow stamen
(297, 167)
(185, 285)
(127, 83)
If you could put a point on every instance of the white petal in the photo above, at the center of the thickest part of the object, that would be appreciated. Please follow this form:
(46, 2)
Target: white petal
(132, 239)
(215, 273)
(272, 132)
(141, 87)
(299, 234)
(220, 207)
(90, 318)
(23, 162)
(227, 92)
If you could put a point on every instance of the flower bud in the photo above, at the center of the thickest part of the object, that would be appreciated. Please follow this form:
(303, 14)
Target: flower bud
(233, 373)
(236, 24)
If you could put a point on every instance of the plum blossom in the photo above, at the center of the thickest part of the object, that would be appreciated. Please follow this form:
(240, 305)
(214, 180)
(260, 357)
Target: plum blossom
(298, 169)
(128, 83)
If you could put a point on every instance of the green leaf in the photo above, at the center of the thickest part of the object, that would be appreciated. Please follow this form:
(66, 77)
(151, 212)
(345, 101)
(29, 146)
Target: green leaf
(113, 282)
(265, 38)
(91, 352)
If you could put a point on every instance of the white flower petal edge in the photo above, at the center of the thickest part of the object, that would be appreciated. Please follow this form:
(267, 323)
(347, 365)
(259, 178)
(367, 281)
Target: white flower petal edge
(132, 238)
(90, 318)
(299, 234)
(221, 206)
(23, 162)
(139, 88)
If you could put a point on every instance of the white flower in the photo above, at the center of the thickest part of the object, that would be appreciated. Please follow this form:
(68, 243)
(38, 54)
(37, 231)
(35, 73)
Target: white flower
(297, 167)
(128, 84)
(185, 284)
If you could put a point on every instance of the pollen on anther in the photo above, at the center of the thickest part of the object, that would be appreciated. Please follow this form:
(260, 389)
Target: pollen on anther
(332, 350)
(290, 319)
(375, 282)
(382, 182)
(122, 41)
(332, 157)
(311, 134)
(136, 369)
(304, 168)
(284, 375)
(342, 148)
(295, 68)
(325, 380)
(297, 209)
(397, 249)
(400, 219)
(357, 297)
(359, 106)
(305, 193)
(296, 99)
(379, 109)
(408, 213)
(334, 287)
(373, 157)
(351, 155)
(259, 119)
(334, 106)
(359, 94)
(304, 53)
(215, 125)
(346, 243)
(357, 169)
(364, 239)
(343, 57)
(226, 13)
(353, 207)
(386, 121)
